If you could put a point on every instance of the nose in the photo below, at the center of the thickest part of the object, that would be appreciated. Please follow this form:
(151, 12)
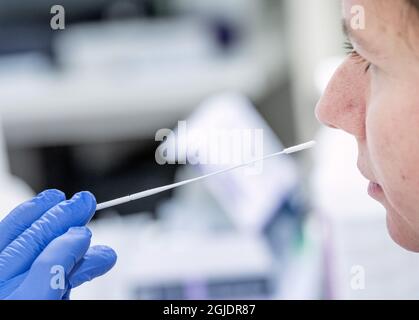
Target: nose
(343, 104)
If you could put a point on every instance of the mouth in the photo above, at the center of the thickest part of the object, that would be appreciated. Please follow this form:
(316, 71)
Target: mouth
(375, 190)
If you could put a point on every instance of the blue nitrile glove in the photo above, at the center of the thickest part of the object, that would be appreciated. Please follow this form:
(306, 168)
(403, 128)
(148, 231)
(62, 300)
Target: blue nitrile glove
(44, 241)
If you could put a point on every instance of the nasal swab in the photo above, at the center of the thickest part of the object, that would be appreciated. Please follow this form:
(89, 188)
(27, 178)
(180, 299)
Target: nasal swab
(150, 192)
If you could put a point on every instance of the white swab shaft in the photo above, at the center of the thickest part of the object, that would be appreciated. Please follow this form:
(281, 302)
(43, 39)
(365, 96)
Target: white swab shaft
(300, 147)
(153, 191)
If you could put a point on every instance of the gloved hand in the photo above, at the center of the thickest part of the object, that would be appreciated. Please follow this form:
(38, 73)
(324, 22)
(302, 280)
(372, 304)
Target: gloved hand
(45, 236)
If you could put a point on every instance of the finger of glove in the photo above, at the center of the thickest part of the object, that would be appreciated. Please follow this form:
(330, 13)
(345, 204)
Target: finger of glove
(19, 255)
(96, 262)
(47, 277)
(6, 288)
(22, 217)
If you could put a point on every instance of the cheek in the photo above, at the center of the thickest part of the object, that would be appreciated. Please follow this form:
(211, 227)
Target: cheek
(392, 130)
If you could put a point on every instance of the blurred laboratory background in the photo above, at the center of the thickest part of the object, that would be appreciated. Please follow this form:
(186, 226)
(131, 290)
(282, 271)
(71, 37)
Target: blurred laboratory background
(80, 107)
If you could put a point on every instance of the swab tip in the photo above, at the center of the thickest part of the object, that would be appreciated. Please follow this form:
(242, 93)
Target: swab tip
(300, 147)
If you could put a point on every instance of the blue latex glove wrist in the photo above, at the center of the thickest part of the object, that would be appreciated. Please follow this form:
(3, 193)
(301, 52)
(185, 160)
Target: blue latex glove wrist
(47, 235)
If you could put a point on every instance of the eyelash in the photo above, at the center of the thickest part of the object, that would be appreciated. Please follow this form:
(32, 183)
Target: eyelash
(350, 50)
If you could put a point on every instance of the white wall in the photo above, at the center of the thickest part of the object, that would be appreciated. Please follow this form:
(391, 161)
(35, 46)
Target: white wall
(313, 34)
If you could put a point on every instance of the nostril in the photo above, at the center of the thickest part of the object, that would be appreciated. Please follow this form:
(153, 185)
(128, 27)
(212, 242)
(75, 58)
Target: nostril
(324, 116)
(323, 120)
(330, 126)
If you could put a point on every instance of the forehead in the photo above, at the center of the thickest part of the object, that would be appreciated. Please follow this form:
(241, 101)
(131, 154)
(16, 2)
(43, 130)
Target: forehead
(382, 17)
(390, 25)
(378, 13)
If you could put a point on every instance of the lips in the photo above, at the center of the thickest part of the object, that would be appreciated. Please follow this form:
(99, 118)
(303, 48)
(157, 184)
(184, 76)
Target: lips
(375, 191)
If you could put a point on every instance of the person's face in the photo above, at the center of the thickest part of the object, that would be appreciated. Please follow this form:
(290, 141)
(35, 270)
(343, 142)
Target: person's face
(374, 96)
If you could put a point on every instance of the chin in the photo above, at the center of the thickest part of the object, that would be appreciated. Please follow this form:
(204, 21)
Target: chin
(401, 231)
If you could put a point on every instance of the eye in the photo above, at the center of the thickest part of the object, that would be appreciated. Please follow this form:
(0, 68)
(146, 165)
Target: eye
(350, 50)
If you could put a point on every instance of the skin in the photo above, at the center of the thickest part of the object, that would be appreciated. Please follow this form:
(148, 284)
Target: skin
(380, 108)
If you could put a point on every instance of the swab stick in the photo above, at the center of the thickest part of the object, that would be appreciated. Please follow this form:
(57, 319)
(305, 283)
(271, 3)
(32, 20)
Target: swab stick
(150, 192)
